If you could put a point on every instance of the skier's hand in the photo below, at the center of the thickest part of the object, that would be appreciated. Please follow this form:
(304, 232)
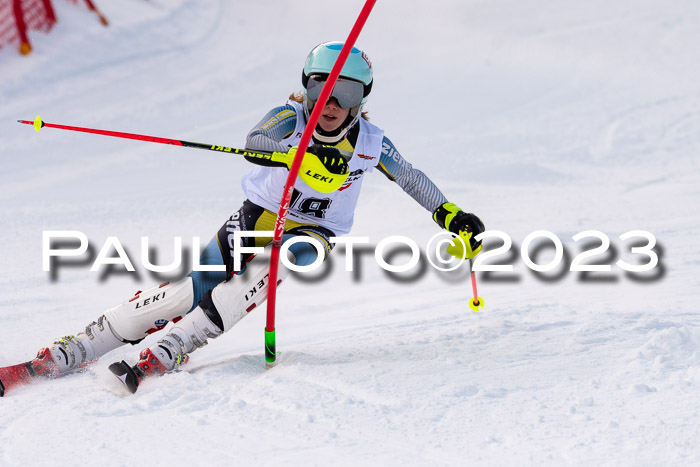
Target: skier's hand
(333, 159)
(324, 168)
(449, 216)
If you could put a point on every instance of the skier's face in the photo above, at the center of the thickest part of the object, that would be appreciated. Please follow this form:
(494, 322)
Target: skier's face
(333, 116)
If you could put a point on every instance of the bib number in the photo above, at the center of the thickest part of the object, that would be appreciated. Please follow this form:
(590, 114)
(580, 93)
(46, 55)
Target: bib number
(314, 207)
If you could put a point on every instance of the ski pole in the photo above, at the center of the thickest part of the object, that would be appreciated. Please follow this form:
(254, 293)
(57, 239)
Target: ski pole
(461, 249)
(39, 124)
(477, 302)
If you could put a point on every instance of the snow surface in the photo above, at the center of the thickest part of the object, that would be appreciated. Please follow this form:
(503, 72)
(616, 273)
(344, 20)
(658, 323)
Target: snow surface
(552, 115)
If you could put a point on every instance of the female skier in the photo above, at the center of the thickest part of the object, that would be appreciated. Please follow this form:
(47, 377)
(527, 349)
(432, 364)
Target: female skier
(206, 304)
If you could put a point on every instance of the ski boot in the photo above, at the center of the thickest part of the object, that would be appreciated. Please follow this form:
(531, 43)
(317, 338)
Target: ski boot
(148, 365)
(63, 356)
(73, 352)
(169, 353)
(44, 365)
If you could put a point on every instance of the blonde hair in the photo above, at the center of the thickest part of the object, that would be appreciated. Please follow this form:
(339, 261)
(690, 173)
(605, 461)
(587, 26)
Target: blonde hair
(299, 97)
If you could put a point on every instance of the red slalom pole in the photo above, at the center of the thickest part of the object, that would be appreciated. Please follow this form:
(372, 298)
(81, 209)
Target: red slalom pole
(477, 302)
(476, 295)
(270, 341)
(38, 124)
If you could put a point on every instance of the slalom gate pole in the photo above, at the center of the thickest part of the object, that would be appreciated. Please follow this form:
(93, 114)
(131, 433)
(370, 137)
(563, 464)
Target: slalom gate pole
(39, 124)
(270, 340)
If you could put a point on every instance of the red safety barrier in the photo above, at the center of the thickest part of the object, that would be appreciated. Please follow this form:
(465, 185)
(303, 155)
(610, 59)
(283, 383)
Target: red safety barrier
(91, 6)
(19, 16)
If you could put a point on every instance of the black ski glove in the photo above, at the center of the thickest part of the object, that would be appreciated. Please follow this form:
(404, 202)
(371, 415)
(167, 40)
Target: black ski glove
(449, 216)
(332, 158)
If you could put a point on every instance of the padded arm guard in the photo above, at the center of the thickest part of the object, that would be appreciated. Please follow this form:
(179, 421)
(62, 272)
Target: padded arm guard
(324, 168)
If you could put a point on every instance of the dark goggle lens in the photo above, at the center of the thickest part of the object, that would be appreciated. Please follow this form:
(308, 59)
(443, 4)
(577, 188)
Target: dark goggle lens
(347, 92)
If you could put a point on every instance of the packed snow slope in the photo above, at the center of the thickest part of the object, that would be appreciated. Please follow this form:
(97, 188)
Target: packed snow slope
(563, 116)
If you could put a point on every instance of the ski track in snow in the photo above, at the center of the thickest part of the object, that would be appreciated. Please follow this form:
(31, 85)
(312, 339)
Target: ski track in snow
(553, 116)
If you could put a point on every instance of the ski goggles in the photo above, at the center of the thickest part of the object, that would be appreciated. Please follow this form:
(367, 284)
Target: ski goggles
(349, 93)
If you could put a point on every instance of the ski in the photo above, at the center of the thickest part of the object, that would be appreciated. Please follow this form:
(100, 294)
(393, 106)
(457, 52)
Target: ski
(16, 375)
(41, 368)
(126, 375)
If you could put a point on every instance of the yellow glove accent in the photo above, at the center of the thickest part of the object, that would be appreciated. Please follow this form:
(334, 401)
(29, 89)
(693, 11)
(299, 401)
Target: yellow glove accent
(284, 157)
(452, 210)
(463, 250)
(312, 171)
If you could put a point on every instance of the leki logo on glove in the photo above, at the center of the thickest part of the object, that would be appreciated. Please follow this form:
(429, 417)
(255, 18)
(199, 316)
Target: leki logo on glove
(320, 177)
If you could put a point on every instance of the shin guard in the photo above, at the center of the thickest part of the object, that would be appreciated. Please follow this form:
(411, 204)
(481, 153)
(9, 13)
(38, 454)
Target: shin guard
(230, 301)
(149, 311)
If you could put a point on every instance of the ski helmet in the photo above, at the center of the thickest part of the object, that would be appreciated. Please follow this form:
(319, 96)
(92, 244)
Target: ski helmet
(357, 68)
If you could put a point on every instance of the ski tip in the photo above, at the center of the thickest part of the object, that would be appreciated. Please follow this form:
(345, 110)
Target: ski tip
(2, 389)
(126, 375)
